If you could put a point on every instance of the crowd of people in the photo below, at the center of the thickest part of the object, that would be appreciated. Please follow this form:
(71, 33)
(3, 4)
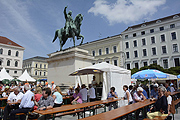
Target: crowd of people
(25, 97)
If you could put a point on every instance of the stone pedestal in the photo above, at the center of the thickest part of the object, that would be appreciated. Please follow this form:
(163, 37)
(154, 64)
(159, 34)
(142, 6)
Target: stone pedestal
(62, 63)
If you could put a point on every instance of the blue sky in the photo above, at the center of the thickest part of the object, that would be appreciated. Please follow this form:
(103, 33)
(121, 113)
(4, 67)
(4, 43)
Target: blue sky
(32, 23)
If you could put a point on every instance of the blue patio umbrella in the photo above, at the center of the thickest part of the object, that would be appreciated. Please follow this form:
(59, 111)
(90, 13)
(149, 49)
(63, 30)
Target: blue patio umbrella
(149, 74)
(178, 76)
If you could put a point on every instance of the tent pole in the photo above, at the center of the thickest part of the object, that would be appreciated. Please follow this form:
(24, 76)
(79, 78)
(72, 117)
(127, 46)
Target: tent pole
(87, 79)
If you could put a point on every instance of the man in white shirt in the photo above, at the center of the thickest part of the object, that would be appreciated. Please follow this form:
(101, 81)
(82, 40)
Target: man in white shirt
(83, 92)
(52, 86)
(91, 93)
(25, 105)
(14, 97)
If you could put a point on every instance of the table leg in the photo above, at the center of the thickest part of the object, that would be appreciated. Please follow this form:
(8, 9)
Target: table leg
(84, 112)
(53, 117)
(104, 107)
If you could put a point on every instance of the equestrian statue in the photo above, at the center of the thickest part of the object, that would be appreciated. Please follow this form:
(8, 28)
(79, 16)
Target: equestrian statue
(71, 29)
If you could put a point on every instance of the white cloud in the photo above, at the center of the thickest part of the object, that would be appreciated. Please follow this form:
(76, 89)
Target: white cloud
(125, 11)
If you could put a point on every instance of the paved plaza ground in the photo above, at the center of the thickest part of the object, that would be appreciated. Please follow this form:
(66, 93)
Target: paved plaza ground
(70, 117)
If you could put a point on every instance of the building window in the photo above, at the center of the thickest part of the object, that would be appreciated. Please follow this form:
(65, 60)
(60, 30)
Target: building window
(143, 33)
(135, 53)
(40, 65)
(15, 72)
(9, 52)
(163, 49)
(17, 53)
(115, 62)
(176, 62)
(153, 51)
(35, 72)
(107, 50)
(36, 65)
(172, 26)
(154, 61)
(135, 43)
(107, 61)
(161, 28)
(93, 53)
(127, 55)
(114, 49)
(44, 66)
(126, 36)
(165, 63)
(100, 52)
(162, 38)
(127, 45)
(0, 62)
(144, 52)
(128, 66)
(175, 48)
(7, 71)
(173, 35)
(151, 30)
(44, 73)
(136, 65)
(16, 64)
(134, 35)
(152, 40)
(1, 51)
(145, 64)
(8, 63)
(40, 73)
(93, 63)
(143, 41)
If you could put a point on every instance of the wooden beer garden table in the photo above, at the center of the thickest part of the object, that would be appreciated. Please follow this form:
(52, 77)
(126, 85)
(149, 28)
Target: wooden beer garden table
(73, 107)
(120, 112)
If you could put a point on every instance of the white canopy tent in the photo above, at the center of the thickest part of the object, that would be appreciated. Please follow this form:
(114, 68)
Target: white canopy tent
(113, 76)
(5, 75)
(25, 76)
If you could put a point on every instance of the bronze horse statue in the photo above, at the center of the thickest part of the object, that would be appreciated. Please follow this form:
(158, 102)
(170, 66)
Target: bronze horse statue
(73, 31)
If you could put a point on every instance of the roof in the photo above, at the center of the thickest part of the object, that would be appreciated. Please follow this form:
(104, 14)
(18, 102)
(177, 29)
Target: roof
(37, 58)
(4, 40)
(152, 22)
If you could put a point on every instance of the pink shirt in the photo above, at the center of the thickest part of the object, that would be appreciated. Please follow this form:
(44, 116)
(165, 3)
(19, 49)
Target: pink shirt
(80, 98)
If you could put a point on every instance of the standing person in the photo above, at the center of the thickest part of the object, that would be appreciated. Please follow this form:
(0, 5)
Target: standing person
(25, 105)
(15, 96)
(52, 86)
(172, 87)
(167, 87)
(127, 95)
(161, 106)
(112, 94)
(77, 97)
(91, 93)
(83, 93)
(154, 92)
(57, 95)
(94, 83)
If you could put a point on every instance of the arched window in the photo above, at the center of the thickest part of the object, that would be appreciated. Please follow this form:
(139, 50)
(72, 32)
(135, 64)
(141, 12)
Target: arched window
(35, 72)
(1, 51)
(16, 63)
(44, 73)
(9, 52)
(40, 73)
(17, 53)
(8, 63)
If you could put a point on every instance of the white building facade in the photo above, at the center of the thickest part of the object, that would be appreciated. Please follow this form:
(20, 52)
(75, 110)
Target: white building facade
(37, 67)
(151, 42)
(106, 50)
(11, 56)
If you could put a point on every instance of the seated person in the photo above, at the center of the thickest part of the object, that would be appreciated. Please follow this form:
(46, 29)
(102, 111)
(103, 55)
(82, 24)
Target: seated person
(6, 92)
(46, 101)
(112, 94)
(127, 95)
(77, 97)
(15, 96)
(161, 106)
(57, 95)
(37, 96)
(70, 91)
(154, 93)
(25, 105)
(169, 101)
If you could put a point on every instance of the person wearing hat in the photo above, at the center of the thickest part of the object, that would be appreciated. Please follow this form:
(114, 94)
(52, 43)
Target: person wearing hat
(83, 93)
(47, 85)
(172, 87)
(154, 92)
(53, 86)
